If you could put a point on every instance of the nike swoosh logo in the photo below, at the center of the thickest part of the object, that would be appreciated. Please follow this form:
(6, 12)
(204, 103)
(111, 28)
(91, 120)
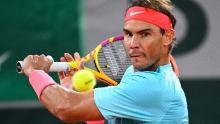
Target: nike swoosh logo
(135, 13)
(4, 57)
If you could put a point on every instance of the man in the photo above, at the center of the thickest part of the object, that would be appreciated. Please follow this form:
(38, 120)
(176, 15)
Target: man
(149, 92)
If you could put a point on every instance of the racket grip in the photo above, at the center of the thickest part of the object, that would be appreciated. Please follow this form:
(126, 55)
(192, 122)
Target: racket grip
(55, 67)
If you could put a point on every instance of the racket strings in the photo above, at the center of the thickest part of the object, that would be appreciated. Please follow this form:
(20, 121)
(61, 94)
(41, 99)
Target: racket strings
(113, 60)
(103, 64)
(122, 57)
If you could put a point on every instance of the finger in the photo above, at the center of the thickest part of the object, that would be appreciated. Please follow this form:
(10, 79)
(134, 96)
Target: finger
(36, 56)
(35, 59)
(42, 57)
(68, 57)
(62, 59)
(45, 59)
(77, 56)
(29, 57)
(71, 72)
(61, 74)
(68, 74)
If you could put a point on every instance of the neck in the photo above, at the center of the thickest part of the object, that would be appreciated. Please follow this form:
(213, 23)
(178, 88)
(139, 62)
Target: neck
(164, 60)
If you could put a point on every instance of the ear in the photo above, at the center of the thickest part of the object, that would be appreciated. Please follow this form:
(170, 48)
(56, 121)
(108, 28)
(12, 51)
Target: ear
(169, 35)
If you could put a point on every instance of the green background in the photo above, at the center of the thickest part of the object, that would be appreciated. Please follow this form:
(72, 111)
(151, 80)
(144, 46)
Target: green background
(35, 27)
(49, 27)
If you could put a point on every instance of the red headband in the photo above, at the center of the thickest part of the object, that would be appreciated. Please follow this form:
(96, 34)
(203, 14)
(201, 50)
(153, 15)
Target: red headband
(149, 15)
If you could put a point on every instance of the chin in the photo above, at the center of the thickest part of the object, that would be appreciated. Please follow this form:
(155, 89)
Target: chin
(142, 67)
(139, 67)
(140, 64)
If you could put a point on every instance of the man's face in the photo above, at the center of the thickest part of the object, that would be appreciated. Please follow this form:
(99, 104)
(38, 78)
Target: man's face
(143, 42)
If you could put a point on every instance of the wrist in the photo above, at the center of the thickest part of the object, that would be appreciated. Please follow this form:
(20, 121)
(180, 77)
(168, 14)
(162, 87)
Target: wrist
(39, 80)
(27, 72)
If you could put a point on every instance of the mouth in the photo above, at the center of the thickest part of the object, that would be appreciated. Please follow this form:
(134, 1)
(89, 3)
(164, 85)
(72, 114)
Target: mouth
(132, 57)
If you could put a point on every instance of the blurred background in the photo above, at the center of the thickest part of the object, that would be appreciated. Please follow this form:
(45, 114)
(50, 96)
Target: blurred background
(54, 27)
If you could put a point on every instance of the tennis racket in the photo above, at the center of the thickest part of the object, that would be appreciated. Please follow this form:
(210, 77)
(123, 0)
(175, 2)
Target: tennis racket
(174, 66)
(110, 61)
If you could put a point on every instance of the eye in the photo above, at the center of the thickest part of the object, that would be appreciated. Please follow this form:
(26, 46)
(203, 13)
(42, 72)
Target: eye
(145, 34)
(128, 34)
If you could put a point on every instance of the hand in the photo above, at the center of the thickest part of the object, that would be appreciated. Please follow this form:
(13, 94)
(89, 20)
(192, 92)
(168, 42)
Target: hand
(36, 62)
(65, 77)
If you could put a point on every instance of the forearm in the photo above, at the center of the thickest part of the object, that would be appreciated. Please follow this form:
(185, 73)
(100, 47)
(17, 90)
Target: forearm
(64, 103)
(70, 106)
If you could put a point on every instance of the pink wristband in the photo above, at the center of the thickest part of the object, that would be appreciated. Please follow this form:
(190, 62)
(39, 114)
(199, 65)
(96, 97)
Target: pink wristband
(39, 80)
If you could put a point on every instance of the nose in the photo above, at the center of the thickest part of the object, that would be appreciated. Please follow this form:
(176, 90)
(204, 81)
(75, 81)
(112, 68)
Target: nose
(134, 43)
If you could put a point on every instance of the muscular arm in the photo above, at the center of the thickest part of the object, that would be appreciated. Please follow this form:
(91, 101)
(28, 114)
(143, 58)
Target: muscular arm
(70, 106)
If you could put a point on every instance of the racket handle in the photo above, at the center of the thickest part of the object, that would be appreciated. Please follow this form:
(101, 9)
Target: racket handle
(55, 67)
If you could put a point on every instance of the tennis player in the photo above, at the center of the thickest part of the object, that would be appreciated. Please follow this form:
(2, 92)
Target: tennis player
(149, 92)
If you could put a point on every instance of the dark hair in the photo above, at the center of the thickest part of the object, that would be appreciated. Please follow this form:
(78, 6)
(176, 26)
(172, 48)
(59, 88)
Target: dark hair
(163, 6)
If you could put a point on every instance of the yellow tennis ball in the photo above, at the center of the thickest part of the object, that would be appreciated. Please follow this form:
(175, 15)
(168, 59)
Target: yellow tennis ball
(83, 80)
